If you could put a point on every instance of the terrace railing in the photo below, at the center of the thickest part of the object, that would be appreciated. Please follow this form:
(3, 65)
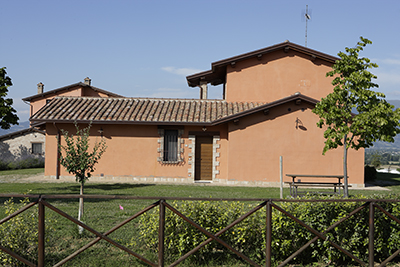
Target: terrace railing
(162, 203)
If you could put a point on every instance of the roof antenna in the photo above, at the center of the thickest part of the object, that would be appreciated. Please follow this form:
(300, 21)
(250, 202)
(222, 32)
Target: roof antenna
(307, 17)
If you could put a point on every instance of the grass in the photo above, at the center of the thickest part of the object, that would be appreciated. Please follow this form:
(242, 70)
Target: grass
(102, 215)
(33, 171)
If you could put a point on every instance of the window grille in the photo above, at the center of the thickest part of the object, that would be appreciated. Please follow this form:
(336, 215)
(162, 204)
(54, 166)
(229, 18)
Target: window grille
(170, 145)
(37, 148)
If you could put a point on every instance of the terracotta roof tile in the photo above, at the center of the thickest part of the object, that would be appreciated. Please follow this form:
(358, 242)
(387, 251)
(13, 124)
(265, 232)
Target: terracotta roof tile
(138, 110)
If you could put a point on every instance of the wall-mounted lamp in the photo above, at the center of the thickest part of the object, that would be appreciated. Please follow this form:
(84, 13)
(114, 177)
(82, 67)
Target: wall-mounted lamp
(101, 131)
(299, 125)
(204, 128)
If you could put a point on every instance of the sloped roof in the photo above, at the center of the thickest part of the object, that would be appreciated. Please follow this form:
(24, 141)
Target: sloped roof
(150, 110)
(19, 133)
(217, 73)
(138, 110)
(55, 91)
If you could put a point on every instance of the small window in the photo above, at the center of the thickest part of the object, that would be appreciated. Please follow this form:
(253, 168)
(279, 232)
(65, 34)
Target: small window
(170, 150)
(37, 148)
(170, 145)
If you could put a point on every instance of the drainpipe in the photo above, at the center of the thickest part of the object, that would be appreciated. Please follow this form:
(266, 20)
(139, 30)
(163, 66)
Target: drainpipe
(58, 152)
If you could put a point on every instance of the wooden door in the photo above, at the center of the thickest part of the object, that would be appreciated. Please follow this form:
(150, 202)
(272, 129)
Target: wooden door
(203, 158)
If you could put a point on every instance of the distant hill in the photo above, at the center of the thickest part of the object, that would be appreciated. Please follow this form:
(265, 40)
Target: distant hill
(15, 128)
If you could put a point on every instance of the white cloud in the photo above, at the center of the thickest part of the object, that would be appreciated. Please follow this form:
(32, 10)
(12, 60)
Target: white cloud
(180, 71)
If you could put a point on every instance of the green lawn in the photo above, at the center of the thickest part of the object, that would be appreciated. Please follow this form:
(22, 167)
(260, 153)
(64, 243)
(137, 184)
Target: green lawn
(104, 214)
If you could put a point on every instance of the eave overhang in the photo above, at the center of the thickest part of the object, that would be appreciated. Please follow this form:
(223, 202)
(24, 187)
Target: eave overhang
(66, 88)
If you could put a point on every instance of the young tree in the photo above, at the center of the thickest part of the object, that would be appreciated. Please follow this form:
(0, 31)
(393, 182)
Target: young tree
(7, 112)
(78, 160)
(375, 118)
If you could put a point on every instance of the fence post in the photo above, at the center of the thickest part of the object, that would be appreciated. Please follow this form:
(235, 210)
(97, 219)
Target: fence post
(41, 233)
(161, 229)
(268, 234)
(371, 235)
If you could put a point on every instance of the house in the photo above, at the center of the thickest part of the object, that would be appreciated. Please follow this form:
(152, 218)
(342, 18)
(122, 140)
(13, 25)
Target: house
(265, 113)
(21, 144)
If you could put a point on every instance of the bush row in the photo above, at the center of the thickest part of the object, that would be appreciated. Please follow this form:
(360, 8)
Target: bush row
(22, 163)
(248, 236)
(20, 234)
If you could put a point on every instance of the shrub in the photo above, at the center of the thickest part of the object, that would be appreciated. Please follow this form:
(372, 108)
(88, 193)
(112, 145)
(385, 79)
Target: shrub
(288, 236)
(20, 234)
(22, 163)
(181, 237)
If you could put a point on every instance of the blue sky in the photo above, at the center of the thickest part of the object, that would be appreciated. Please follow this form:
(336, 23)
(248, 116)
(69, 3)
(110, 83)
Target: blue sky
(147, 48)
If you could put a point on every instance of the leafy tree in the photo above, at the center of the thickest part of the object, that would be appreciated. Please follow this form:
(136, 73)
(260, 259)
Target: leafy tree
(375, 118)
(7, 112)
(78, 160)
(376, 160)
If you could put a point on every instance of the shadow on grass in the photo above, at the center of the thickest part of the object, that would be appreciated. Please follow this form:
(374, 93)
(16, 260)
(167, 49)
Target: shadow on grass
(120, 189)
(74, 189)
(385, 179)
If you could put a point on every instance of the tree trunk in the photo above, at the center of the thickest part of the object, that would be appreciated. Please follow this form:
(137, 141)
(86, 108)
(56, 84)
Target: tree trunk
(346, 183)
(80, 211)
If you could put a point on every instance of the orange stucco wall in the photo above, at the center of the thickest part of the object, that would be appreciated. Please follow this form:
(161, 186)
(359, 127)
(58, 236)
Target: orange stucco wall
(90, 92)
(256, 144)
(277, 75)
(248, 151)
(131, 151)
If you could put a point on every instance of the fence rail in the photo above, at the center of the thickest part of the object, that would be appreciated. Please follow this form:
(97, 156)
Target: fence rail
(162, 203)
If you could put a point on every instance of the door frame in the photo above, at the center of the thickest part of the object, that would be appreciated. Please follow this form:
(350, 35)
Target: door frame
(192, 153)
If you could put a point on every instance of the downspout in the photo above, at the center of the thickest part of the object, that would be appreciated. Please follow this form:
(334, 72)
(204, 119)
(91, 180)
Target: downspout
(30, 109)
(58, 151)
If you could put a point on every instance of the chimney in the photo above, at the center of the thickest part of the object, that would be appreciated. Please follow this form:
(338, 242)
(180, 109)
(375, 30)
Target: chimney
(40, 88)
(88, 81)
(203, 90)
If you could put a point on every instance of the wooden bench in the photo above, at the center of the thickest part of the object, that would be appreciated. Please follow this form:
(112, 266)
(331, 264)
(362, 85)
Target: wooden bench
(294, 184)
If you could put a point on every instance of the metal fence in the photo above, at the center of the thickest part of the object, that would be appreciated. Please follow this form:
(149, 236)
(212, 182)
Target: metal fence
(162, 203)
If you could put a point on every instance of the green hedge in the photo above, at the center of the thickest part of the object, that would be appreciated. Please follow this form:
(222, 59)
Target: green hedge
(26, 163)
(248, 236)
(20, 234)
